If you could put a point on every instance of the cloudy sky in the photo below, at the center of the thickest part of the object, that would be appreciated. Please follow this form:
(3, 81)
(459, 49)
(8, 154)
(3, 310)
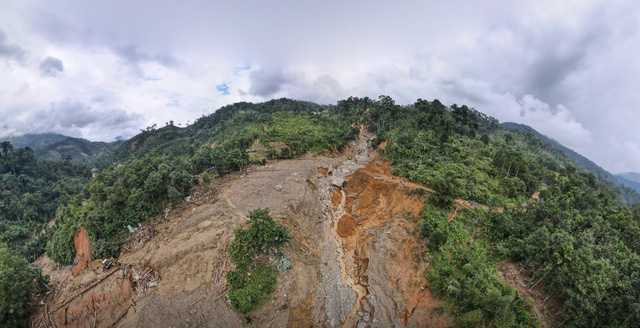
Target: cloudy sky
(101, 69)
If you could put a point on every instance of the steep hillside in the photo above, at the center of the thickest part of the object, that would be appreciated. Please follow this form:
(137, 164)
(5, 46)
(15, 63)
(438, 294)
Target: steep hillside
(30, 192)
(628, 189)
(349, 267)
(417, 215)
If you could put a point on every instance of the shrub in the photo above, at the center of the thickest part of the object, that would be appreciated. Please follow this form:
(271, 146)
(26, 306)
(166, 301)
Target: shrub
(462, 270)
(251, 286)
(19, 281)
(254, 279)
(281, 262)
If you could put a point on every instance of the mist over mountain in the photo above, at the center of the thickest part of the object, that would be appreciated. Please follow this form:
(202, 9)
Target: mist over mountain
(629, 179)
(631, 176)
(35, 141)
(58, 147)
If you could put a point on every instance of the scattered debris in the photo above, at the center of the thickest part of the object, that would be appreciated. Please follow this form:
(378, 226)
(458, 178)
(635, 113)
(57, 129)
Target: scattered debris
(142, 235)
(142, 278)
(278, 187)
(131, 229)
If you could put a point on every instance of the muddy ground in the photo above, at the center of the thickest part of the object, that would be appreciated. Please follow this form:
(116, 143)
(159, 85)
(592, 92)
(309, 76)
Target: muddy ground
(355, 253)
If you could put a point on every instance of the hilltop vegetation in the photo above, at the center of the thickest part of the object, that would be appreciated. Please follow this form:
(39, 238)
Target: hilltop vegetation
(93, 153)
(626, 187)
(57, 147)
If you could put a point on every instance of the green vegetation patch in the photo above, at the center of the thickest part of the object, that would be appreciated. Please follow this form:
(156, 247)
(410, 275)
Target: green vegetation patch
(254, 278)
(30, 192)
(19, 281)
(583, 245)
(462, 270)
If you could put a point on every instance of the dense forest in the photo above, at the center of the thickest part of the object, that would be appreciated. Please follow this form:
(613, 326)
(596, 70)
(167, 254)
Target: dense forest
(31, 190)
(566, 227)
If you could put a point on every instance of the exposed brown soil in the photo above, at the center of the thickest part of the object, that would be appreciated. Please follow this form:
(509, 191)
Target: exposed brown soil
(189, 254)
(322, 170)
(356, 256)
(346, 226)
(83, 250)
(385, 248)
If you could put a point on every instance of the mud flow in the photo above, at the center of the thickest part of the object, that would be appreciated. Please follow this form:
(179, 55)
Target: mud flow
(373, 248)
(355, 252)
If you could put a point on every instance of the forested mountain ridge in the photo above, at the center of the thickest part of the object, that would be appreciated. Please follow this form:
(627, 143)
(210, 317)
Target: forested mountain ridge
(631, 176)
(629, 179)
(78, 150)
(565, 227)
(628, 189)
(34, 141)
(58, 147)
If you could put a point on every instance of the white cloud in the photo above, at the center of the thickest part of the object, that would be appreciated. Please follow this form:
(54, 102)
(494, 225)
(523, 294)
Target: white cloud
(566, 68)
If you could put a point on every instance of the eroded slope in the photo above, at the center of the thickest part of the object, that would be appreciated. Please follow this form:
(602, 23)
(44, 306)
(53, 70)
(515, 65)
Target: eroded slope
(356, 259)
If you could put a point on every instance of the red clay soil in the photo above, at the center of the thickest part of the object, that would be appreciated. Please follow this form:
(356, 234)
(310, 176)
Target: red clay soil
(101, 306)
(83, 250)
(346, 226)
(374, 222)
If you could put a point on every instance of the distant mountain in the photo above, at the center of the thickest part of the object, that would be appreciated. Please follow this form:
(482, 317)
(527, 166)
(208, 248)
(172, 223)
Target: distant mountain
(58, 147)
(35, 141)
(629, 188)
(79, 150)
(631, 176)
(629, 179)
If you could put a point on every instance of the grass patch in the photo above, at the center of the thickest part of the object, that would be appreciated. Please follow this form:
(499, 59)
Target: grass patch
(255, 277)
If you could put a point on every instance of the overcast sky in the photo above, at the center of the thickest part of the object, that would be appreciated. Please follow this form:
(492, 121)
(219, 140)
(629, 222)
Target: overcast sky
(101, 69)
